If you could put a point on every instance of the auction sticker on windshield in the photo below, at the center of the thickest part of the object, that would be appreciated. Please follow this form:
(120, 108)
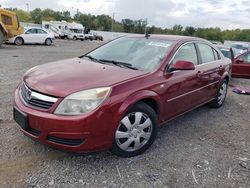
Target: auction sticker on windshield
(159, 44)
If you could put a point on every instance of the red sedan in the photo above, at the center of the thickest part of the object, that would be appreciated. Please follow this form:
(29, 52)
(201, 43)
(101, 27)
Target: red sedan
(116, 96)
(241, 66)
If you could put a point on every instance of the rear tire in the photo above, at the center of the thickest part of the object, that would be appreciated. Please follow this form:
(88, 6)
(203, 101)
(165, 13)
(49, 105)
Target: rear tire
(48, 42)
(221, 95)
(1, 38)
(136, 131)
(19, 41)
(74, 38)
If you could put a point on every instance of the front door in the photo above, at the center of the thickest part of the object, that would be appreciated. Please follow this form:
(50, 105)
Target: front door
(182, 88)
(241, 66)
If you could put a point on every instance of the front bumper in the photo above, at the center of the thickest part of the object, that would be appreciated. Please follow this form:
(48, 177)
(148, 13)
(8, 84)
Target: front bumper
(90, 132)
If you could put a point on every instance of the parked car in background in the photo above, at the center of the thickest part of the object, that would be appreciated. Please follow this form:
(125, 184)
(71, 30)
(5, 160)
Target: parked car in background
(241, 66)
(240, 48)
(98, 37)
(33, 35)
(226, 51)
(76, 31)
(216, 42)
(89, 36)
(76, 34)
(117, 96)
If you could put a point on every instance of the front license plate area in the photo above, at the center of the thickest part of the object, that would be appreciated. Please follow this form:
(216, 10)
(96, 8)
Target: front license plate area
(21, 118)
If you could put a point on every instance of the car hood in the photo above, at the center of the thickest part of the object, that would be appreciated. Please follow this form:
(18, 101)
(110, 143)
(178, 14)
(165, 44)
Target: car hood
(65, 77)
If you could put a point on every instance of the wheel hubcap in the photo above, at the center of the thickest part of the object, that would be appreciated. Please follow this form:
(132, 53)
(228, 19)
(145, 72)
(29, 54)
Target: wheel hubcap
(222, 93)
(134, 131)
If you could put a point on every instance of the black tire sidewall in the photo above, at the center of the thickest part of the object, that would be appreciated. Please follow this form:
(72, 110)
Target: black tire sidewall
(215, 102)
(139, 107)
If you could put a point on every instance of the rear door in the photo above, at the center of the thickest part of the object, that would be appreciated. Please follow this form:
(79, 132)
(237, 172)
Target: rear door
(241, 66)
(41, 36)
(209, 71)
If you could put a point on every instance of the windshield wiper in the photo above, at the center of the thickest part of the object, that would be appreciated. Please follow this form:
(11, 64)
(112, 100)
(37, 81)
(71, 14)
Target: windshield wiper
(94, 59)
(119, 63)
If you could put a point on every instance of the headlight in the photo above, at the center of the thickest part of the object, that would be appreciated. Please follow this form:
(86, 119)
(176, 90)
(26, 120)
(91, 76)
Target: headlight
(83, 101)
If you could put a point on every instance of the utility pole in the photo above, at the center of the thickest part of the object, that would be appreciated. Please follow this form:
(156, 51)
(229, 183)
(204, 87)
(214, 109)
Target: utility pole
(146, 24)
(113, 19)
(28, 7)
(77, 11)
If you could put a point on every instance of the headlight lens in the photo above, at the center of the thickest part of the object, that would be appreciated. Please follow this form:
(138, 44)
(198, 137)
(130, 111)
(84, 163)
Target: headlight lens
(83, 101)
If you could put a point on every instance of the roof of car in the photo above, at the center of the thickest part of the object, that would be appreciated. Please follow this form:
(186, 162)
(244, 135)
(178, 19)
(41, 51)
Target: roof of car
(32, 28)
(170, 37)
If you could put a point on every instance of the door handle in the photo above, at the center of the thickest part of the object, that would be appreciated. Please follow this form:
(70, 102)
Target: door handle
(199, 74)
(219, 68)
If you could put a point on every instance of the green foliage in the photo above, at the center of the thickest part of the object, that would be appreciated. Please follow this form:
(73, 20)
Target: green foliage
(104, 23)
(23, 15)
(36, 16)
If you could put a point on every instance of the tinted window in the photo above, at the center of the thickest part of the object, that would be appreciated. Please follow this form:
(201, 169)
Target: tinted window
(207, 54)
(31, 31)
(186, 53)
(6, 20)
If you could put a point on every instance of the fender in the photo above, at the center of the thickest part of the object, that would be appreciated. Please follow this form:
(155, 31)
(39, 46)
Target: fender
(138, 96)
(227, 72)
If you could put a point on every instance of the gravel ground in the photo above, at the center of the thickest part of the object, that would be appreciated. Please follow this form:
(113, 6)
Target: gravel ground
(204, 148)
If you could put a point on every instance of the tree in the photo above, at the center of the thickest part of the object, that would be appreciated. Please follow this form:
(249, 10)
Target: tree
(23, 15)
(177, 29)
(36, 15)
(128, 25)
(189, 31)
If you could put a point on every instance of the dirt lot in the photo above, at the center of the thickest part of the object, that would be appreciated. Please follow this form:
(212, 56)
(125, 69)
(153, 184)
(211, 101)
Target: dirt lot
(204, 148)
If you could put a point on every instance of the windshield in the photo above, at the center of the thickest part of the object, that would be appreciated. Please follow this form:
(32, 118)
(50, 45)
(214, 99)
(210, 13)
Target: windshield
(141, 53)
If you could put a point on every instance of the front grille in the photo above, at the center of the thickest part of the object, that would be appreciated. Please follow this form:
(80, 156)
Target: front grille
(36, 99)
(65, 141)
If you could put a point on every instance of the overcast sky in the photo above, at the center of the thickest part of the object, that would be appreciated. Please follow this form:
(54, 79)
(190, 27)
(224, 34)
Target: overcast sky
(226, 14)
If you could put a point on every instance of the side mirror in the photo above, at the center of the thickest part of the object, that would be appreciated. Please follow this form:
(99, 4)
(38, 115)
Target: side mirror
(183, 65)
(238, 61)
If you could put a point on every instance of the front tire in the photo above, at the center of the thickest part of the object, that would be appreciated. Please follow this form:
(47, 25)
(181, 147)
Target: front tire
(136, 131)
(19, 41)
(221, 95)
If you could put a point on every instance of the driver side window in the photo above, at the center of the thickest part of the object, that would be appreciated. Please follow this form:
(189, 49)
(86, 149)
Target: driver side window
(186, 53)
